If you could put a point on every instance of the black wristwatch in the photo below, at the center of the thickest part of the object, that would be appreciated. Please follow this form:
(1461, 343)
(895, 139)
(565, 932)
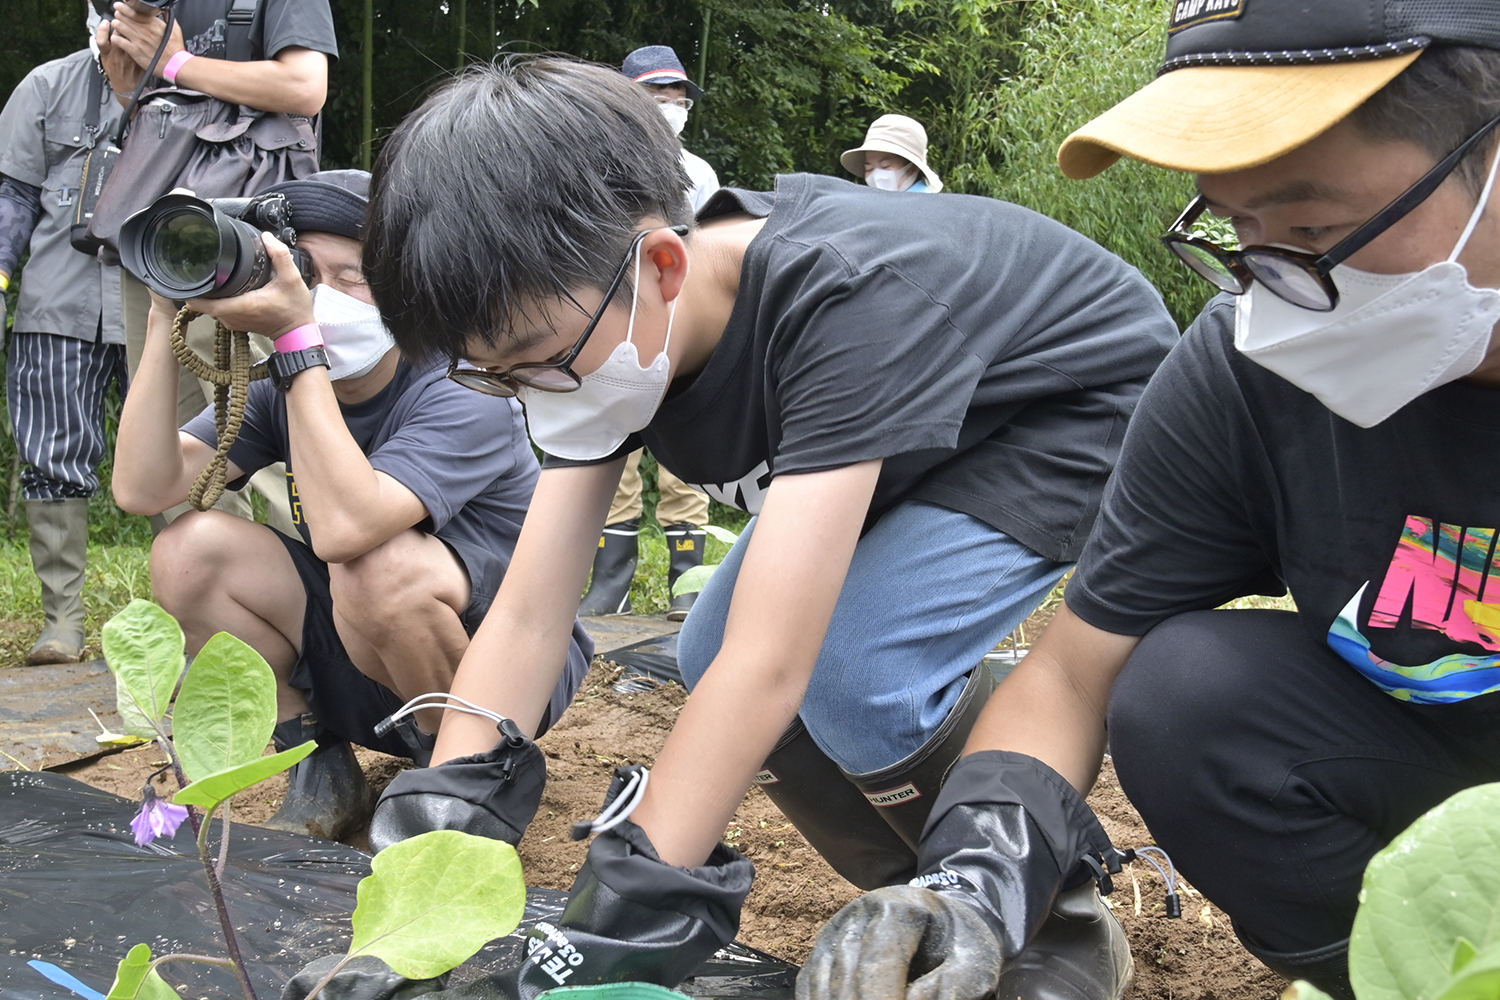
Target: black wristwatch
(284, 367)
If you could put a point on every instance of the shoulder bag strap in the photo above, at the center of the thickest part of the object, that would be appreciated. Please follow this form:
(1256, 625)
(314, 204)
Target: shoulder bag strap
(237, 44)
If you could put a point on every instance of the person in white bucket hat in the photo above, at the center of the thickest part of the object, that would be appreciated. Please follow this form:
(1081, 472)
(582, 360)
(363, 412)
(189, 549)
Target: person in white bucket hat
(894, 157)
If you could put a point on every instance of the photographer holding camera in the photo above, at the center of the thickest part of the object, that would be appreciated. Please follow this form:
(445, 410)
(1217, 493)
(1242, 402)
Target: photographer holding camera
(408, 491)
(268, 57)
(68, 343)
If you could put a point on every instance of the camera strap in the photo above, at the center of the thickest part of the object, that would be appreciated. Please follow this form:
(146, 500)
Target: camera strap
(231, 374)
(96, 97)
(146, 77)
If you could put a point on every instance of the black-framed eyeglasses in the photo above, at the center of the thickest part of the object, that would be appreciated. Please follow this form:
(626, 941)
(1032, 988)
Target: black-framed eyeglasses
(1303, 279)
(550, 376)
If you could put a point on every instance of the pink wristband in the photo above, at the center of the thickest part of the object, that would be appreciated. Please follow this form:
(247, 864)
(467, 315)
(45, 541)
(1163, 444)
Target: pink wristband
(174, 65)
(304, 336)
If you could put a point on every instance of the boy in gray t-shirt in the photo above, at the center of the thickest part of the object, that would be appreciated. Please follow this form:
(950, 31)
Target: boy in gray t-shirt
(407, 491)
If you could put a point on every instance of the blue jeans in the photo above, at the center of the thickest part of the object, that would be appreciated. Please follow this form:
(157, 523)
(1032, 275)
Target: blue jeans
(929, 592)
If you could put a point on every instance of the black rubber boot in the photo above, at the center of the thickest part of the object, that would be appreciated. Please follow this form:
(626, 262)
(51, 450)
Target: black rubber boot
(1327, 968)
(327, 795)
(850, 834)
(685, 545)
(904, 792)
(1080, 953)
(614, 568)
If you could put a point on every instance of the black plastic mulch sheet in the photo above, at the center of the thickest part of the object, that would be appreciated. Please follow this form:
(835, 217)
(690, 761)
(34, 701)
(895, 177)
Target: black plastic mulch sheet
(76, 892)
(653, 658)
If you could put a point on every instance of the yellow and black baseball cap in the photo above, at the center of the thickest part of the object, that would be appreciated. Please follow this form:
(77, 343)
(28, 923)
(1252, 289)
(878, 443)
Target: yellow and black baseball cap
(1245, 81)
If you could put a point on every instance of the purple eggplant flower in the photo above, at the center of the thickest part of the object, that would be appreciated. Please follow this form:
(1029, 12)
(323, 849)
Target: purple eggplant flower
(157, 818)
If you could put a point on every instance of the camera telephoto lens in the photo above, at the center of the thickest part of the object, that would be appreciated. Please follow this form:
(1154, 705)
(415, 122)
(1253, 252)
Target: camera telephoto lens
(183, 247)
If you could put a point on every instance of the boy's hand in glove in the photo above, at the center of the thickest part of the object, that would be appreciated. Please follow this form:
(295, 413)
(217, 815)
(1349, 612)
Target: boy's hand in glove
(494, 794)
(1004, 834)
(630, 917)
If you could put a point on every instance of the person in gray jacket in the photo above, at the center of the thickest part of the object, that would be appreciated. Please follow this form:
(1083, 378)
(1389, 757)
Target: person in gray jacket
(68, 339)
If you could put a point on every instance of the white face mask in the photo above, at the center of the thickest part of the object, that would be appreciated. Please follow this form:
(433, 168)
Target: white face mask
(613, 402)
(676, 116)
(888, 179)
(353, 334)
(1391, 338)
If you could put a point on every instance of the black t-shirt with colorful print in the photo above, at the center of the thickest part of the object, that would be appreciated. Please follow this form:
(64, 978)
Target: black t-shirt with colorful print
(1233, 481)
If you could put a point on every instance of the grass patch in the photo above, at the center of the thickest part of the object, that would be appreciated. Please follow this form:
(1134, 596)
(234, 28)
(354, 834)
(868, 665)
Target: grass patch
(117, 574)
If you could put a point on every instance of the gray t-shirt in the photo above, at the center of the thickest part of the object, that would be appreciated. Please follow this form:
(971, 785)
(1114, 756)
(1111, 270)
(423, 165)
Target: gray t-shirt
(43, 142)
(989, 355)
(464, 454)
(1233, 481)
(278, 24)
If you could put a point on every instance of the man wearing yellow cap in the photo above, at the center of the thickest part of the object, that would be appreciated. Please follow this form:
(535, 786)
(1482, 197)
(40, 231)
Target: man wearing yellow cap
(1328, 427)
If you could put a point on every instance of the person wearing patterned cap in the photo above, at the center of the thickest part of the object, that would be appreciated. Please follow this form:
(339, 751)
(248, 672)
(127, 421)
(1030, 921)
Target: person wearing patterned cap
(1326, 427)
(408, 494)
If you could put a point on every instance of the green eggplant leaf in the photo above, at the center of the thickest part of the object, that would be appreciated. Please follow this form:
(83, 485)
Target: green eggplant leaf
(1435, 885)
(136, 980)
(225, 710)
(693, 580)
(722, 534)
(1479, 979)
(143, 646)
(431, 902)
(1463, 953)
(211, 789)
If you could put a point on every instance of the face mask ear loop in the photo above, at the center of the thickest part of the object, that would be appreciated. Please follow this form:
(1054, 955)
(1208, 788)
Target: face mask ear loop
(1484, 199)
(635, 293)
(671, 315)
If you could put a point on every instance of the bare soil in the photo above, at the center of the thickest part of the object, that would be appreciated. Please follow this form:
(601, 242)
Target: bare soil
(1195, 958)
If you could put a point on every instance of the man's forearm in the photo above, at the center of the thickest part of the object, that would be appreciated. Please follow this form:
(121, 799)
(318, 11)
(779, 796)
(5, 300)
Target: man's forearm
(784, 597)
(1053, 706)
(296, 82)
(514, 660)
(150, 471)
(349, 507)
(20, 210)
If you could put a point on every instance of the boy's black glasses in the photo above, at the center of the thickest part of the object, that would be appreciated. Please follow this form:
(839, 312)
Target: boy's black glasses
(550, 376)
(1303, 279)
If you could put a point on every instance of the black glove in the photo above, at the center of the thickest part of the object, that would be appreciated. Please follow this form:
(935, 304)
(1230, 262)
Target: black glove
(365, 978)
(1004, 835)
(494, 794)
(633, 917)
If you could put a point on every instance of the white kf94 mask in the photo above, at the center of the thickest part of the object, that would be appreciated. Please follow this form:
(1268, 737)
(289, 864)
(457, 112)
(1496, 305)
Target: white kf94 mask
(1391, 338)
(353, 334)
(613, 402)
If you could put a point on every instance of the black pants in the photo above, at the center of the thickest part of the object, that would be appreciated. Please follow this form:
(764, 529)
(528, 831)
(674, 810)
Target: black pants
(1272, 771)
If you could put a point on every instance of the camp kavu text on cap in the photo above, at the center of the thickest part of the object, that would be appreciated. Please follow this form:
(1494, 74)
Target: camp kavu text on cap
(1246, 81)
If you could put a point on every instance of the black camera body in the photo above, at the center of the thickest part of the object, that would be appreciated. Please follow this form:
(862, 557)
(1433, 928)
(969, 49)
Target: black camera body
(185, 247)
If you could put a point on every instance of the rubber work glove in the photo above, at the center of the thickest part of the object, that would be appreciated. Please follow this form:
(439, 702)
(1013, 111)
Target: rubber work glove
(494, 794)
(630, 917)
(988, 873)
(365, 978)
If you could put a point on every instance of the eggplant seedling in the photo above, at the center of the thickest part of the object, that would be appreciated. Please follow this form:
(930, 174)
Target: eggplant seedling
(1428, 926)
(429, 904)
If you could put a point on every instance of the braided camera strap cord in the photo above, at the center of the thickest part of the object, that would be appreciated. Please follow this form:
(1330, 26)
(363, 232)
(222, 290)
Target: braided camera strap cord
(231, 374)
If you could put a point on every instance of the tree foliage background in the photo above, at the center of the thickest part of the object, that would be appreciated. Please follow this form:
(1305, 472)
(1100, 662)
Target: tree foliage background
(791, 83)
